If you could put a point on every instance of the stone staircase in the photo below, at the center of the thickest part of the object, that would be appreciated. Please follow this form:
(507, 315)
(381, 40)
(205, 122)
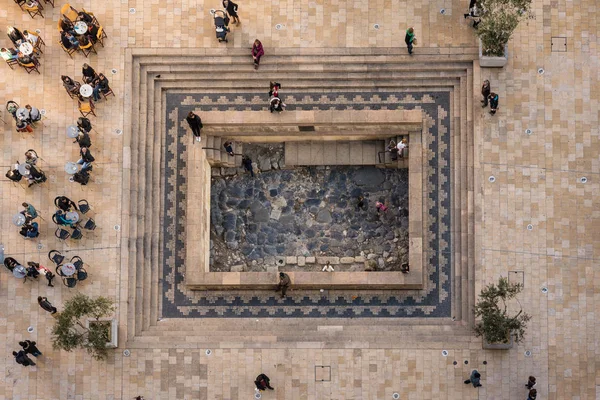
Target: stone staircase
(227, 71)
(218, 157)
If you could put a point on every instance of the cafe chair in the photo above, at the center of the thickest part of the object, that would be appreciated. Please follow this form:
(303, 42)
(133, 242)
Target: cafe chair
(39, 42)
(11, 62)
(69, 12)
(68, 51)
(56, 257)
(107, 92)
(59, 270)
(77, 234)
(33, 11)
(101, 35)
(20, 3)
(77, 262)
(90, 225)
(30, 67)
(87, 49)
(86, 108)
(81, 274)
(70, 282)
(50, 1)
(62, 234)
(83, 206)
(91, 14)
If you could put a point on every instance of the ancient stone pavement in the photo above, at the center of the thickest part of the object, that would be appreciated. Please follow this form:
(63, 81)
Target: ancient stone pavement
(536, 222)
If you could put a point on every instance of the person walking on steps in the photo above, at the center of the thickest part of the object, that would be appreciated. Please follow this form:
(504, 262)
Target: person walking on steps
(474, 379)
(410, 39)
(228, 148)
(284, 284)
(485, 92)
(232, 9)
(263, 382)
(195, 124)
(493, 97)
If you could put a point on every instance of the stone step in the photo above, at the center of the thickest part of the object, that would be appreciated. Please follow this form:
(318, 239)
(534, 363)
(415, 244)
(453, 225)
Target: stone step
(333, 153)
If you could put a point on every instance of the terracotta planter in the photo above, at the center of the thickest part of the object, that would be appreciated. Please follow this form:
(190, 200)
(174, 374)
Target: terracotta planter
(492, 61)
(112, 333)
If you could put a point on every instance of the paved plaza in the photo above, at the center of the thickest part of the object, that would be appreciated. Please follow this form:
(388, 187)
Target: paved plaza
(495, 196)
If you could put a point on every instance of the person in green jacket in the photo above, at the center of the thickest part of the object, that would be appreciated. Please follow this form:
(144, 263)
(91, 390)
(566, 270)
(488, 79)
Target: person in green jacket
(409, 39)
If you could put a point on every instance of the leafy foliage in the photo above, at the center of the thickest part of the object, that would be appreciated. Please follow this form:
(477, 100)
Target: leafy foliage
(499, 19)
(70, 331)
(496, 325)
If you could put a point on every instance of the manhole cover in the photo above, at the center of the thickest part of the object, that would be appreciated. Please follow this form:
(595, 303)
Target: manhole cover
(492, 179)
(529, 227)
(541, 71)
(113, 71)
(212, 11)
(30, 329)
(396, 396)
(126, 353)
(528, 353)
(119, 132)
(38, 31)
(445, 353)
(208, 352)
(528, 131)
(544, 290)
(132, 10)
(466, 362)
(583, 179)
(376, 26)
(43, 111)
(257, 395)
(443, 11)
(40, 246)
(278, 27)
(117, 227)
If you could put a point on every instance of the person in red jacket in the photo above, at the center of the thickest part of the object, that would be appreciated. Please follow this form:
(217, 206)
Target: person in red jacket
(257, 52)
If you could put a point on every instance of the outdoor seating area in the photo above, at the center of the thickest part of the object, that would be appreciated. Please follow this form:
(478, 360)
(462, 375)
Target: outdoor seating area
(27, 47)
(79, 31)
(69, 218)
(33, 7)
(70, 272)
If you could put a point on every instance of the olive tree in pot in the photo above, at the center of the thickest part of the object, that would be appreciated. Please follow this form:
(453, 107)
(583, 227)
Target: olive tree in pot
(496, 325)
(83, 323)
(499, 19)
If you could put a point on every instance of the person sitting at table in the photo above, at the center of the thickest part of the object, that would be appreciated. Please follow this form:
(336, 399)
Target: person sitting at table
(66, 25)
(85, 17)
(84, 140)
(14, 174)
(29, 212)
(92, 33)
(84, 124)
(88, 73)
(23, 59)
(83, 40)
(68, 40)
(100, 84)
(30, 230)
(15, 36)
(35, 175)
(31, 157)
(34, 113)
(64, 203)
(70, 84)
(61, 218)
(8, 54)
(32, 270)
(23, 126)
(10, 263)
(86, 159)
(30, 38)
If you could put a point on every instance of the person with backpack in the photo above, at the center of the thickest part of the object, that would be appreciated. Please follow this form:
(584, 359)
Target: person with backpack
(493, 97)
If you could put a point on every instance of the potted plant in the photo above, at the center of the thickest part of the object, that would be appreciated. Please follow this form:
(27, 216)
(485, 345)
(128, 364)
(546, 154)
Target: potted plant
(498, 20)
(496, 325)
(84, 324)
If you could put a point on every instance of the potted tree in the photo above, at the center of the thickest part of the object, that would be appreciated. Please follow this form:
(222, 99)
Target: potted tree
(496, 325)
(84, 324)
(499, 19)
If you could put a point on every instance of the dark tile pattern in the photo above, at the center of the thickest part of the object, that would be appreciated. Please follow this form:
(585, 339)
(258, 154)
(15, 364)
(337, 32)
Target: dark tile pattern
(433, 301)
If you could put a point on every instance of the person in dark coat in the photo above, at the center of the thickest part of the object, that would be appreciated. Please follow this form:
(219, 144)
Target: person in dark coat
(263, 382)
(532, 394)
(530, 383)
(84, 140)
(100, 86)
(475, 379)
(86, 159)
(29, 347)
(84, 124)
(247, 164)
(21, 358)
(232, 9)
(485, 92)
(64, 203)
(195, 124)
(228, 148)
(493, 97)
(284, 283)
(46, 305)
(17, 37)
(409, 39)
(89, 74)
(257, 52)
(49, 277)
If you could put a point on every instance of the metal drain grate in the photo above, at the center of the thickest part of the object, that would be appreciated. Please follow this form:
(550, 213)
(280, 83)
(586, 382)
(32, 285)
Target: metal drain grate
(307, 128)
(558, 44)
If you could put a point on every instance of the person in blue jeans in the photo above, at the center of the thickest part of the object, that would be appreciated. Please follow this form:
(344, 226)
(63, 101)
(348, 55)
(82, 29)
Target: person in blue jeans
(474, 379)
(100, 85)
(86, 158)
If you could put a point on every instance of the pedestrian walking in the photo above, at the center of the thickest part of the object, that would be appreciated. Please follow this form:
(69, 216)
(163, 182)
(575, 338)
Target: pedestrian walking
(276, 104)
(228, 148)
(410, 39)
(195, 123)
(274, 89)
(257, 52)
(360, 204)
(21, 358)
(530, 383)
(49, 277)
(263, 382)
(532, 394)
(401, 146)
(485, 92)
(247, 164)
(381, 207)
(393, 150)
(32, 270)
(29, 347)
(138, 398)
(493, 97)
(284, 284)
(474, 379)
(472, 4)
(46, 305)
(84, 140)
(232, 9)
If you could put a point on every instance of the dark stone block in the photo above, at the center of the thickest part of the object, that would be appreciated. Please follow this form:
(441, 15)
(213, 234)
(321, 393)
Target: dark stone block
(312, 202)
(252, 228)
(273, 192)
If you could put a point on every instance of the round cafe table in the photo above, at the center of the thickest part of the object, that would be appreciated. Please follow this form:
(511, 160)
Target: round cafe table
(72, 216)
(67, 269)
(19, 272)
(71, 168)
(22, 170)
(26, 48)
(80, 27)
(22, 114)
(18, 219)
(72, 131)
(86, 90)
